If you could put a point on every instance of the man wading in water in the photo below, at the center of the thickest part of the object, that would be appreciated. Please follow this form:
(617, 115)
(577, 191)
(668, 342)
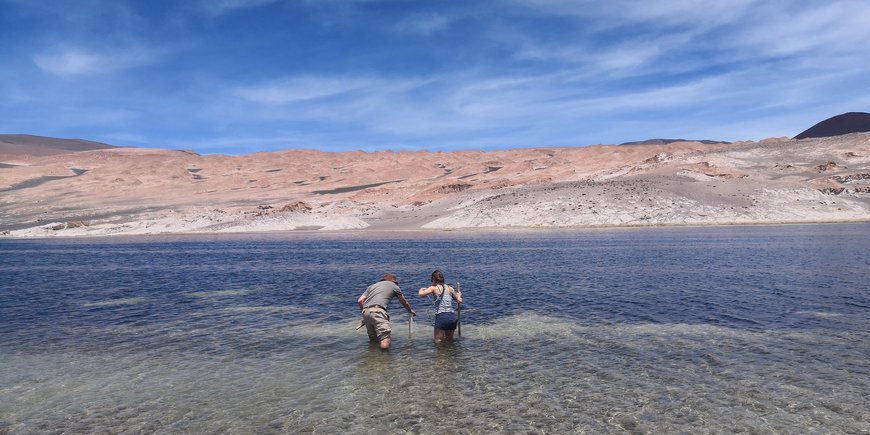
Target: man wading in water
(374, 302)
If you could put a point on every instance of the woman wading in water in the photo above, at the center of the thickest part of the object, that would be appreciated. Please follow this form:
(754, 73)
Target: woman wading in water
(445, 316)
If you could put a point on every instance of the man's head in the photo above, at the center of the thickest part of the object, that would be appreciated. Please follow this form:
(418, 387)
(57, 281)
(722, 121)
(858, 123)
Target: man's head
(390, 277)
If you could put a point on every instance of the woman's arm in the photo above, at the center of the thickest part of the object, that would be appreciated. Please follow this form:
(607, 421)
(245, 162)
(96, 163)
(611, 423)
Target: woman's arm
(456, 295)
(426, 291)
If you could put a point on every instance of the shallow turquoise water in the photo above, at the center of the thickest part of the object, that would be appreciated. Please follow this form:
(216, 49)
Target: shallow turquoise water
(727, 329)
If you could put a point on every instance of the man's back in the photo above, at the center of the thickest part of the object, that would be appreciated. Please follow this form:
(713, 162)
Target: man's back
(381, 293)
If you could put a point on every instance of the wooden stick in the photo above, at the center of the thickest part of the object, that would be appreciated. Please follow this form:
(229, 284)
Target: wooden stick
(459, 312)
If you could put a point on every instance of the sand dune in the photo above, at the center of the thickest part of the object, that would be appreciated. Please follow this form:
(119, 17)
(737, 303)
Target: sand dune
(150, 191)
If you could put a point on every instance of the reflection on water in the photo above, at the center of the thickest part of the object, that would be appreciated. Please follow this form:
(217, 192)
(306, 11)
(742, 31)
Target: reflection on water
(759, 329)
(122, 301)
(221, 293)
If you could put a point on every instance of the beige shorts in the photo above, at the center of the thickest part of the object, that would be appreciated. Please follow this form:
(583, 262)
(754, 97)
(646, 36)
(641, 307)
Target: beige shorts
(377, 323)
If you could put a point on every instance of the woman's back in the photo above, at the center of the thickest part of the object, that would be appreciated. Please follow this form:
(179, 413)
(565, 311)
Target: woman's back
(445, 300)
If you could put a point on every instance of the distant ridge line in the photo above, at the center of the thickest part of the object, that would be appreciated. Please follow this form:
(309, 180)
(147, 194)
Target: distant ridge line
(28, 144)
(669, 141)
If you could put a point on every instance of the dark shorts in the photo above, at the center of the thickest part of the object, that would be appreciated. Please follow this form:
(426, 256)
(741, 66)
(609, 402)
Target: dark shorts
(445, 321)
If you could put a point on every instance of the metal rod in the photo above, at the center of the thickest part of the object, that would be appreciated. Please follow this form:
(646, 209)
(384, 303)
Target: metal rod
(459, 312)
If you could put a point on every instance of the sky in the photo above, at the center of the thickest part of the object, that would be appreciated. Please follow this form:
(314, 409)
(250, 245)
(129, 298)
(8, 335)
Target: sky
(242, 76)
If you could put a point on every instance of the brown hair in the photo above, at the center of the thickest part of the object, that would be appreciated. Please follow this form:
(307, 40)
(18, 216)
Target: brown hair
(437, 277)
(390, 277)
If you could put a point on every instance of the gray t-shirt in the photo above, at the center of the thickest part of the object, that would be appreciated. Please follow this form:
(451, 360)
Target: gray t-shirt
(381, 293)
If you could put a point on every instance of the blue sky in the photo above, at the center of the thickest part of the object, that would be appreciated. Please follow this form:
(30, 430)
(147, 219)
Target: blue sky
(239, 76)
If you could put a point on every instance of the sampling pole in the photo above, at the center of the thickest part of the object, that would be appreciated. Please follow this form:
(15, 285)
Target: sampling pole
(458, 312)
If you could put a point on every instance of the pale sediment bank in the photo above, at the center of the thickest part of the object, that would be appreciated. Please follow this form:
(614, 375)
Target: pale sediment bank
(112, 231)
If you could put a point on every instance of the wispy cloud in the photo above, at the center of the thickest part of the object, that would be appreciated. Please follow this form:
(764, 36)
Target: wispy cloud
(751, 28)
(98, 38)
(560, 108)
(631, 57)
(424, 24)
(69, 62)
(297, 89)
(661, 12)
(75, 62)
(819, 29)
(221, 7)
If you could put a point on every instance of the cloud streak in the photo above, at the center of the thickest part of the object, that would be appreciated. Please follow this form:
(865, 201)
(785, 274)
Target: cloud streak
(71, 62)
(222, 7)
(424, 24)
(300, 89)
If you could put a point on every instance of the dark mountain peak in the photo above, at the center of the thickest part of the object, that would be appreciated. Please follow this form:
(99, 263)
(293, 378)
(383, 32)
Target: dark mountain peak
(667, 141)
(851, 122)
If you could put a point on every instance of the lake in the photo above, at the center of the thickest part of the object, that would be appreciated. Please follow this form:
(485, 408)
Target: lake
(753, 329)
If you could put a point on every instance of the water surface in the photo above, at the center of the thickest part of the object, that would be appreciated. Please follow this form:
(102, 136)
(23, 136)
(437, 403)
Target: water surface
(728, 329)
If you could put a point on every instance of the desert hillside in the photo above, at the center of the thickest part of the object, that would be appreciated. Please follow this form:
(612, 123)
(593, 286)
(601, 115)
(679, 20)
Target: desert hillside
(146, 191)
(30, 145)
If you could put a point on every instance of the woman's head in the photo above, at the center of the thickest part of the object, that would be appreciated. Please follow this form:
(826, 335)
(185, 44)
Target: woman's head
(437, 277)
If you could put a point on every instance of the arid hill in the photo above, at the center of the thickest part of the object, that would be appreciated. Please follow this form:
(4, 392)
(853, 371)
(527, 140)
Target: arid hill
(147, 191)
(13, 145)
(667, 141)
(852, 122)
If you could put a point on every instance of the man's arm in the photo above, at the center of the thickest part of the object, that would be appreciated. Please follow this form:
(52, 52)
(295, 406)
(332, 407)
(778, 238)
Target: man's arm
(361, 301)
(406, 304)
